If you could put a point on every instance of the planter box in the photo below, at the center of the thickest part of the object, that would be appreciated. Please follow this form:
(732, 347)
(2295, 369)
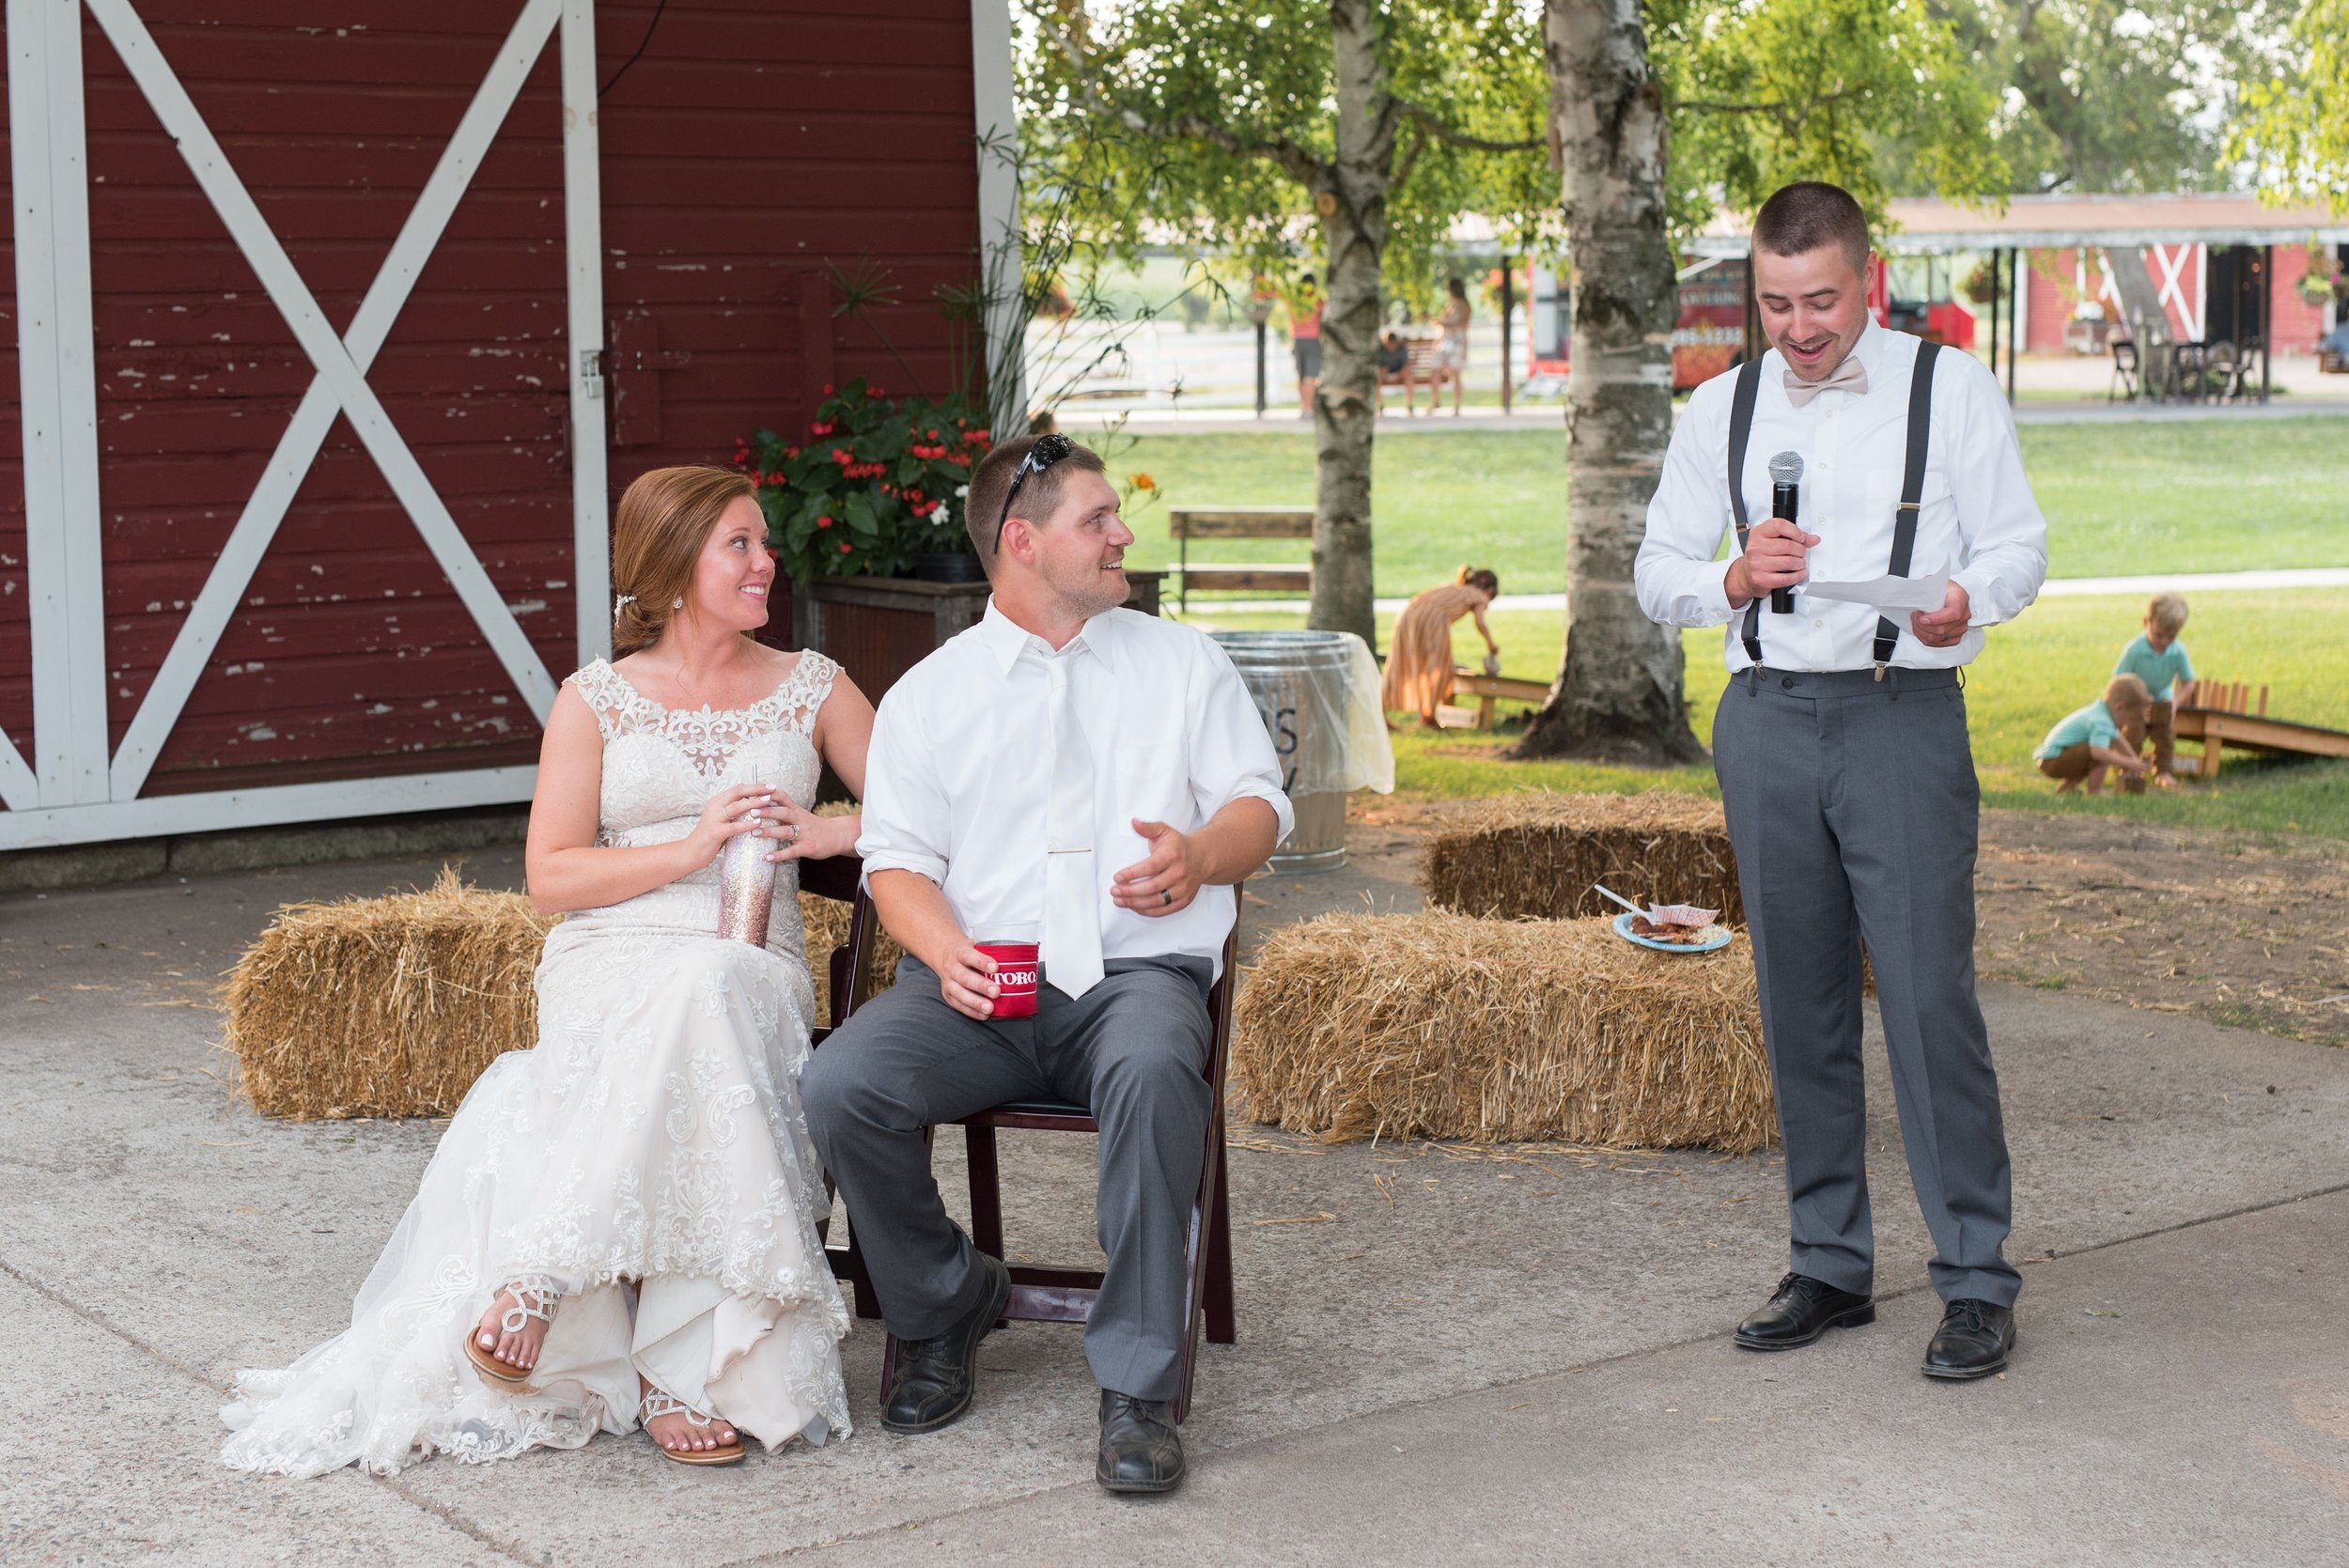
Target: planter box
(878, 627)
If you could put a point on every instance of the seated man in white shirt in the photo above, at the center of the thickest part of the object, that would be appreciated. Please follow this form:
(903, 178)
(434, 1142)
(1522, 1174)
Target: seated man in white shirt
(1103, 776)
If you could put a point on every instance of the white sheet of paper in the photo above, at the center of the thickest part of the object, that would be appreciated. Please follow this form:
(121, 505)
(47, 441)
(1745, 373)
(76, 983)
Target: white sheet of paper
(1886, 593)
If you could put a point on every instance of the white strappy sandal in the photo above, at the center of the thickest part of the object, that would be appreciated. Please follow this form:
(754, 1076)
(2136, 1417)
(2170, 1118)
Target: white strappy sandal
(535, 1297)
(658, 1403)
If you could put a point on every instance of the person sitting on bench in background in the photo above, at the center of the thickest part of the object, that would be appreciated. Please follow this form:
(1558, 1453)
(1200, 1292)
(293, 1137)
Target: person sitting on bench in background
(1394, 368)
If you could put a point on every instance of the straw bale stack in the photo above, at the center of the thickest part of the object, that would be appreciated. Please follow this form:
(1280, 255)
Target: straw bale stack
(1534, 857)
(1441, 1026)
(383, 1006)
(393, 1006)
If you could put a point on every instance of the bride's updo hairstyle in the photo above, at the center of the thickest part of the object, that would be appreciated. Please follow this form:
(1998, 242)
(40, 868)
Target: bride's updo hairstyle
(665, 518)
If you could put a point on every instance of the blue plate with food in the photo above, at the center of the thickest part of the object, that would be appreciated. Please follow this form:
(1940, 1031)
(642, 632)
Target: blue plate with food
(1671, 938)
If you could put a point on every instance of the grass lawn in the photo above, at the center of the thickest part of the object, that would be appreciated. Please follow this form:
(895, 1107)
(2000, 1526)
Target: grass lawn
(2033, 672)
(2192, 496)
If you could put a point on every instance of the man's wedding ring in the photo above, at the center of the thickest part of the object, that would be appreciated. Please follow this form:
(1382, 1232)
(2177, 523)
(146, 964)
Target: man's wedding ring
(1167, 895)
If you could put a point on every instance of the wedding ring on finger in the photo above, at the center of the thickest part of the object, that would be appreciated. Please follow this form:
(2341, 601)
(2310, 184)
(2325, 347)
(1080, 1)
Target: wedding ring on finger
(1166, 896)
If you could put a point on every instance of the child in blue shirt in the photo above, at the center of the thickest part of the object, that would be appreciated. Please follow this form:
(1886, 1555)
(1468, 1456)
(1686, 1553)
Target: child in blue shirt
(2158, 659)
(2086, 742)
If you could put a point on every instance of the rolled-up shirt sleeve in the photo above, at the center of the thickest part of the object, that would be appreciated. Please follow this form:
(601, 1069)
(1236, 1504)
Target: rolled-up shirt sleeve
(1998, 519)
(907, 824)
(1677, 577)
(1231, 754)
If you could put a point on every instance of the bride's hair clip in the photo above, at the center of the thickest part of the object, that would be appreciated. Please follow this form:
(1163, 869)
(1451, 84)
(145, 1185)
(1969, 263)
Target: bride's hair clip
(622, 603)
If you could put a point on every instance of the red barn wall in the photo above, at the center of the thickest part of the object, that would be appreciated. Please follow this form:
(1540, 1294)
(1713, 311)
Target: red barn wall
(752, 144)
(2047, 301)
(2297, 325)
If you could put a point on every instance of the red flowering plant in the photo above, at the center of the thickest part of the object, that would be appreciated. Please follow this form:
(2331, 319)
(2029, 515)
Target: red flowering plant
(875, 482)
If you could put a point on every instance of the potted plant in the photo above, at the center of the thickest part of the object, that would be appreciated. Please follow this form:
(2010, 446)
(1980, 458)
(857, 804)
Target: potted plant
(876, 488)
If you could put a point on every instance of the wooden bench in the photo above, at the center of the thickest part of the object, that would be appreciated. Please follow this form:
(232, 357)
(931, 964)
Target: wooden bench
(2222, 715)
(1187, 524)
(1489, 690)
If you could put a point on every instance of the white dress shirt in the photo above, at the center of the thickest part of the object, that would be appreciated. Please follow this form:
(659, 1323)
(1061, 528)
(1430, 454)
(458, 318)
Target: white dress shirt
(1978, 522)
(960, 776)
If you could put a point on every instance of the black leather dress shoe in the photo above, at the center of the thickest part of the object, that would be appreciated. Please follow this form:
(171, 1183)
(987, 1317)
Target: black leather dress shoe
(1803, 1309)
(1141, 1451)
(1974, 1341)
(937, 1376)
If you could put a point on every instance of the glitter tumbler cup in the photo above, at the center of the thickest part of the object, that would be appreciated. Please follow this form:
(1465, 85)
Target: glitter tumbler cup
(746, 887)
(1017, 967)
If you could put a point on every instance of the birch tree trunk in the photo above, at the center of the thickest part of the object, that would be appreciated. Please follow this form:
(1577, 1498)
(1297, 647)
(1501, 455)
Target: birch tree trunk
(1350, 198)
(1618, 696)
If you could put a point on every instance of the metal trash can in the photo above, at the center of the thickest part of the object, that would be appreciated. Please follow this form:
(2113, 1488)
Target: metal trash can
(1299, 681)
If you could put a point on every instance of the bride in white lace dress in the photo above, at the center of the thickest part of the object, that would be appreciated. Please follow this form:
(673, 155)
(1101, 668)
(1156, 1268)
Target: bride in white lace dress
(620, 1224)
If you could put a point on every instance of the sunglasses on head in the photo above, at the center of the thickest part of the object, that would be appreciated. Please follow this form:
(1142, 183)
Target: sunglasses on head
(1047, 451)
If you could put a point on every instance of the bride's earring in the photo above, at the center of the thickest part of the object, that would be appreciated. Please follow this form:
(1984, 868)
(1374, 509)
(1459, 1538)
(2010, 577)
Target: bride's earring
(677, 603)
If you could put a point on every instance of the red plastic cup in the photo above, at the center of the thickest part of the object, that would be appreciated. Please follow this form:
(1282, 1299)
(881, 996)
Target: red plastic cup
(1018, 965)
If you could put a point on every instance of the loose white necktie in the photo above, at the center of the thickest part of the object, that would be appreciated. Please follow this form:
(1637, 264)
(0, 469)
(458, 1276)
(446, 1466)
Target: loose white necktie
(1072, 914)
(1851, 376)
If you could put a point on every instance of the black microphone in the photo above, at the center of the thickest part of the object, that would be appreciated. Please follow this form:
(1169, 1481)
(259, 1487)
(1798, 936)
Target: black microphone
(1785, 498)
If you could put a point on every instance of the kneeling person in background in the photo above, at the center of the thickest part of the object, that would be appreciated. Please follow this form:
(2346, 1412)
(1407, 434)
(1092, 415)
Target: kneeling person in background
(2089, 740)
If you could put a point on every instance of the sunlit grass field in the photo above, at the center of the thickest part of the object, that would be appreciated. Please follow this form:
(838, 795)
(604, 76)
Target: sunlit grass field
(2053, 658)
(2121, 499)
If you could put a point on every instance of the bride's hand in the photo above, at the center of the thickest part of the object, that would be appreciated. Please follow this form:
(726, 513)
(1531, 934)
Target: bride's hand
(806, 836)
(731, 813)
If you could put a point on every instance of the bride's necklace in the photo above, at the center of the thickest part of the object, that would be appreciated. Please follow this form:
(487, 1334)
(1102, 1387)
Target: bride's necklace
(692, 703)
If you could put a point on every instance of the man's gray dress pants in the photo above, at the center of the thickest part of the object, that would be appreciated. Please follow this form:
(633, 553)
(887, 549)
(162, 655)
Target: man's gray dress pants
(1854, 813)
(1133, 1050)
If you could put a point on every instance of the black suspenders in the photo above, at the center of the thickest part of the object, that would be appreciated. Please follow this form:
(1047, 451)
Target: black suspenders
(1912, 489)
(1904, 521)
(1740, 428)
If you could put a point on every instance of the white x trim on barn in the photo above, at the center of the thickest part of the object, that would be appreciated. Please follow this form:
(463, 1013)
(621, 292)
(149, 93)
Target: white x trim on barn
(74, 791)
(2171, 262)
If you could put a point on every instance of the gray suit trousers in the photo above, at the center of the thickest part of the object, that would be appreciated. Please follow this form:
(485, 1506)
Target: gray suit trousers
(1854, 813)
(1133, 1050)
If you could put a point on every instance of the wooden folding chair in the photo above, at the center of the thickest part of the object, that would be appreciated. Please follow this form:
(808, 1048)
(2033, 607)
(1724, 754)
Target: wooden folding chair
(1045, 1294)
(841, 878)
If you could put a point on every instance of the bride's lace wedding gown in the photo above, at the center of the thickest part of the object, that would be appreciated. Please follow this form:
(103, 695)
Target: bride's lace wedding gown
(654, 1135)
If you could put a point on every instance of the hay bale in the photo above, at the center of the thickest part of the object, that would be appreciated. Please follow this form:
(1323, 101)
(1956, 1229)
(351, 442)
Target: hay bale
(393, 1006)
(1534, 857)
(1443, 1026)
(383, 1006)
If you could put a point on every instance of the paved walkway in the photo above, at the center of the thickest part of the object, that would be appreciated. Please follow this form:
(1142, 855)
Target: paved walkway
(1442, 1356)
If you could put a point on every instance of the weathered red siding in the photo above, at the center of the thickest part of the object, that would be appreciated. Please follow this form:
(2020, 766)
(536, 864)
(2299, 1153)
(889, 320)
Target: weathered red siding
(751, 144)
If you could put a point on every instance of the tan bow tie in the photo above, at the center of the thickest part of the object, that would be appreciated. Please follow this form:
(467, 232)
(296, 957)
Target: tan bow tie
(1850, 376)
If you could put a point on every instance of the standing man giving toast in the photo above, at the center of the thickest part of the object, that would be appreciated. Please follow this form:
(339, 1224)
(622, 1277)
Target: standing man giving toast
(1841, 750)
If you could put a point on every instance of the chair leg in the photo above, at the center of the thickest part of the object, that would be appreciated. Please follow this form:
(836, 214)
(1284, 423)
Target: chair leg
(1223, 1319)
(987, 1191)
(851, 1266)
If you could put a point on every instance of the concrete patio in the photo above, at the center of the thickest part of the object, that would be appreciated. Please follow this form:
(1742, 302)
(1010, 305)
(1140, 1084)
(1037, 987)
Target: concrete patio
(1480, 1355)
